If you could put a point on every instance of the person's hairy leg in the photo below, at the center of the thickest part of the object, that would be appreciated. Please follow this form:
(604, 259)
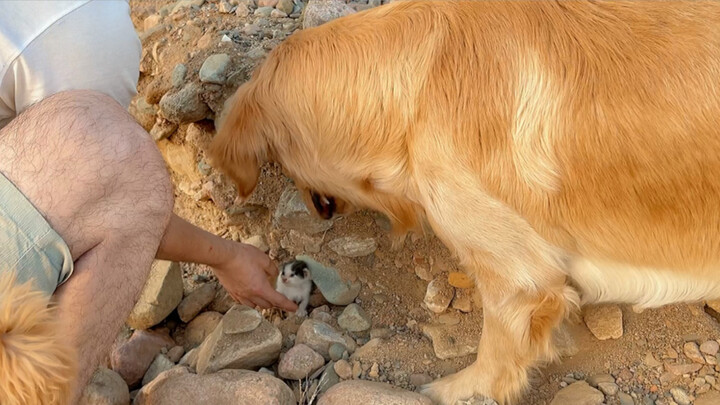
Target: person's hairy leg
(99, 180)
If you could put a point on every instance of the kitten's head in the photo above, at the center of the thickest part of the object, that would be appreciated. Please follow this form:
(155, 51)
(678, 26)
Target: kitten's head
(295, 272)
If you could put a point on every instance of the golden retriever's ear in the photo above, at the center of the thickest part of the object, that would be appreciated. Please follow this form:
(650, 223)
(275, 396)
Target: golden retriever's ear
(240, 148)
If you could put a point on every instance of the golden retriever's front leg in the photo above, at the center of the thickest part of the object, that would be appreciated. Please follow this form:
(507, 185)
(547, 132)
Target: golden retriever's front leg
(521, 278)
(517, 334)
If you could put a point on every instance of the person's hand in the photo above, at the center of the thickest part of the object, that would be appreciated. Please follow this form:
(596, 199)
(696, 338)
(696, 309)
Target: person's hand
(245, 277)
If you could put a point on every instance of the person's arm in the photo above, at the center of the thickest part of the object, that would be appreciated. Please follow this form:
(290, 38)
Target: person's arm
(242, 269)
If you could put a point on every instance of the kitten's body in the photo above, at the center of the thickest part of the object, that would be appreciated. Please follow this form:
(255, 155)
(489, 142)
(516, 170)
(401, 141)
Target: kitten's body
(295, 282)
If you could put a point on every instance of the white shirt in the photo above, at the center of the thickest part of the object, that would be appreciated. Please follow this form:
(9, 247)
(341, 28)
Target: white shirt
(50, 46)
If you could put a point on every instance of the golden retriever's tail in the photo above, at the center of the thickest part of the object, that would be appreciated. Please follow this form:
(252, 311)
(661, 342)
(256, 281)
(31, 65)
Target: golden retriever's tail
(37, 366)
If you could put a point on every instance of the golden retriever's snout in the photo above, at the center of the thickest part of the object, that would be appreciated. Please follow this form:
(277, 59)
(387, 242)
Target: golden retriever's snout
(325, 206)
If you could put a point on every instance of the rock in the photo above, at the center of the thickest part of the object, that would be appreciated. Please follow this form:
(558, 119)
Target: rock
(225, 7)
(680, 369)
(579, 393)
(318, 336)
(712, 307)
(175, 354)
(264, 11)
(350, 246)
(343, 369)
(651, 361)
(183, 4)
(692, 351)
(162, 129)
(229, 347)
(291, 213)
(460, 280)
(242, 10)
(106, 387)
(189, 359)
(299, 362)
(329, 378)
(357, 392)
(222, 302)
(367, 350)
(710, 347)
(267, 3)
(680, 396)
(423, 273)
(151, 21)
(214, 67)
(240, 320)
(200, 327)
(278, 14)
(226, 387)
(374, 371)
(178, 75)
(196, 301)
(336, 351)
(161, 294)
(354, 319)
(184, 106)
(259, 242)
(598, 379)
(161, 364)
(133, 358)
(608, 388)
(626, 399)
(438, 295)
(477, 401)
(286, 6)
(447, 344)
(356, 370)
(297, 242)
(318, 12)
(708, 398)
(374, 3)
(331, 285)
(462, 301)
(604, 321)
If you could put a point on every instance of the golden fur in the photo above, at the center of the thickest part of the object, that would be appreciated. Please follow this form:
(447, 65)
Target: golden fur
(37, 365)
(559, 148)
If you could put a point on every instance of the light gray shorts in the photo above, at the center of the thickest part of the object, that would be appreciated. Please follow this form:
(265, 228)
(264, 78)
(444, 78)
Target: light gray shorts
(28, 245)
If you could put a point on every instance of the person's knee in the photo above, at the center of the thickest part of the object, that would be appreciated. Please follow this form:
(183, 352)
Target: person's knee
(129, 169)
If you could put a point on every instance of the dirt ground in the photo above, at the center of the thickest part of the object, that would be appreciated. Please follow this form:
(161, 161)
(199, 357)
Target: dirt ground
(391, 292)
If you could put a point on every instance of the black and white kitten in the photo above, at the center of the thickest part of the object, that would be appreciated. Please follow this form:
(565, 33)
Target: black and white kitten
(295, 282)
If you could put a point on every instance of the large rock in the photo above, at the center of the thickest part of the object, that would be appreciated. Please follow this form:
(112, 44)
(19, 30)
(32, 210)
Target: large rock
(335, 290)
(133, 358)
(350, 246)
(354, 319)
(191, 305)
(579, 393)
(708, 398)
(447, 344)
(358, 392)
(161, 294)
(604, 321)
(318, 12)
(292, 213)
(299, 362)
(200, 328)
(184, 106)
(318, 336)
(214, 67)
(226, 387)
(233, 345)
(161, 364)
(106, 388)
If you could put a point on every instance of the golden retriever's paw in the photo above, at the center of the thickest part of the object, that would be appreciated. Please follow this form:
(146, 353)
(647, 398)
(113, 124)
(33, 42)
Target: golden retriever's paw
(457, 388)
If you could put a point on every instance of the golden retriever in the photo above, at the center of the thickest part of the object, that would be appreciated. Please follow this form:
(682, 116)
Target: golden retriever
(37, 364)
(567, 151)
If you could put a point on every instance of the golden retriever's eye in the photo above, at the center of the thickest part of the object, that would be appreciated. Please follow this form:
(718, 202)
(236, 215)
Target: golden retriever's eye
(325, 206)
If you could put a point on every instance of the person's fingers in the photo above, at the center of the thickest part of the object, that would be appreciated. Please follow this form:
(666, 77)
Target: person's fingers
(261, 302)
(280, 301)
(244, 301)
(271, 270)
